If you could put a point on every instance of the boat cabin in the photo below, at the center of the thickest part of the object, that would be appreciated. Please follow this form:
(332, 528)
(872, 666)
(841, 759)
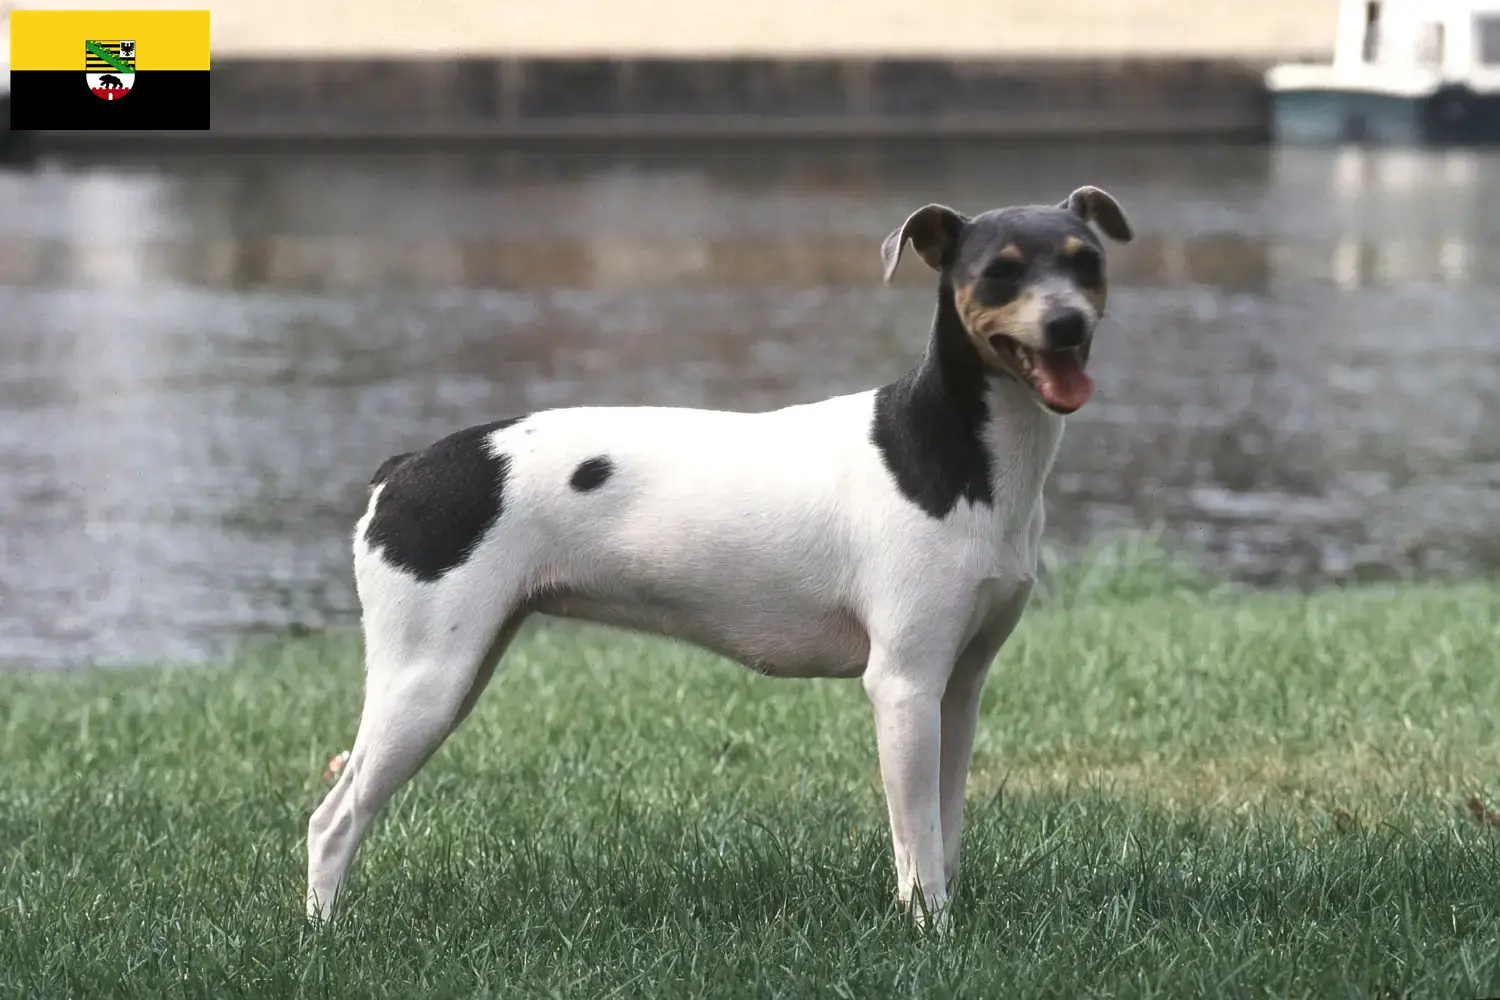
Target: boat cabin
(1425, 70)
(1456, 38)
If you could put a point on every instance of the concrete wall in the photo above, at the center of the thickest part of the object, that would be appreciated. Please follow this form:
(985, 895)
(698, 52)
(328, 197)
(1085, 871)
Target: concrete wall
(664, 97)
(1256, 29)
(1262, 30)
(438, 70)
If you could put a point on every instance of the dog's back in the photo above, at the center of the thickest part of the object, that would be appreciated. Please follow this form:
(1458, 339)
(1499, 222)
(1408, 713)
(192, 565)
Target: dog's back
(736, 531)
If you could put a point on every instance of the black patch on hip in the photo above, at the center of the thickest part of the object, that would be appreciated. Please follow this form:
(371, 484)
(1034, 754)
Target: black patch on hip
(591, 474)
(437, 504)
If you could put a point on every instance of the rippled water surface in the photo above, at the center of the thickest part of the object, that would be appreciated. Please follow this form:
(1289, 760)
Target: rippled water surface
(201, 362)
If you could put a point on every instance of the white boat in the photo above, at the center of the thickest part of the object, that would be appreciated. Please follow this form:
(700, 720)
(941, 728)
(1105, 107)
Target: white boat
(1403, 71)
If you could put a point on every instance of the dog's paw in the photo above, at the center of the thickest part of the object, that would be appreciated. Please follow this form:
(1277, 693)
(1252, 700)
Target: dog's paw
(335, 766)
(939, 924)
(933, 915)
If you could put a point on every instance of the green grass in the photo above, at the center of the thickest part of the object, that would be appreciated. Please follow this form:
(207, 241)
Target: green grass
(1178, 791)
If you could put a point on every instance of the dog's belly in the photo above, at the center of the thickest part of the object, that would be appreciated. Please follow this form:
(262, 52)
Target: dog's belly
(772, 638)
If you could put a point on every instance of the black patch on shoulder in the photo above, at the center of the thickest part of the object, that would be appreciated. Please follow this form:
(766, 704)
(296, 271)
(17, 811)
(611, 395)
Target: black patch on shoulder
(439, 502)
(591, 474)
(927, 424)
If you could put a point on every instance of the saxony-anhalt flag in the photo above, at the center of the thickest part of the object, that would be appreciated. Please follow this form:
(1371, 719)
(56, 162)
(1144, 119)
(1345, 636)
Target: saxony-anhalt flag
(108, 69)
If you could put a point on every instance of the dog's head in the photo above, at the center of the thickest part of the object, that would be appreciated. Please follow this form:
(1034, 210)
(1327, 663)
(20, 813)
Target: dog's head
(1028, 284)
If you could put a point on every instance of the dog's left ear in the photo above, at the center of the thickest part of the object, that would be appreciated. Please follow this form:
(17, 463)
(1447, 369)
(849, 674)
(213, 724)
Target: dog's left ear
(933, 231)
(1095, 205)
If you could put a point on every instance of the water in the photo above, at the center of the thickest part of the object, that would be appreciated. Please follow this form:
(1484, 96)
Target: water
(201, 362)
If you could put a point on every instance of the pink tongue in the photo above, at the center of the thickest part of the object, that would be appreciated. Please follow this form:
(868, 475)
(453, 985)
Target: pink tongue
(1064, 383)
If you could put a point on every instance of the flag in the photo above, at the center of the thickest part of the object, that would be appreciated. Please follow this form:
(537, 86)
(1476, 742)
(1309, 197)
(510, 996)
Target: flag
(108, 70)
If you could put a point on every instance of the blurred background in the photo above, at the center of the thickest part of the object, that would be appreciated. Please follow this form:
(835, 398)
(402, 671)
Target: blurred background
(412, 217)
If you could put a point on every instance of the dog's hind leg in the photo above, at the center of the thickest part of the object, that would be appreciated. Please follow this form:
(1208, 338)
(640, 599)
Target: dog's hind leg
(428, 659)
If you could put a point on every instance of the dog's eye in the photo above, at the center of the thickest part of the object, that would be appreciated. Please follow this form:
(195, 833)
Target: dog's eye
(1088, 268)
(1004, 269)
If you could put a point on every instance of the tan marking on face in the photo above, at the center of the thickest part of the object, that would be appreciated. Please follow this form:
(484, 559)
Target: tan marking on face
(1020, 320)
(1012, 252)
(1072, 245)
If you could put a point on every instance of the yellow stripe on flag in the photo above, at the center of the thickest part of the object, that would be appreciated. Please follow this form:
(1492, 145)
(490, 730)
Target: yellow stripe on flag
(53, 39)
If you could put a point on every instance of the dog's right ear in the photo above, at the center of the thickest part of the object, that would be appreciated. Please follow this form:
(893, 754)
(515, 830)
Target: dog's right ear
(933, 231)
(1096, 205)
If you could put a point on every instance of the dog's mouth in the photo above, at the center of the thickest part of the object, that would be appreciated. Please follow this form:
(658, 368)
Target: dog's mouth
(1057, 376)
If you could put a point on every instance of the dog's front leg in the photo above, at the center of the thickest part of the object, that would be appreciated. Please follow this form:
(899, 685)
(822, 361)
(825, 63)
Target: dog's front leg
(961, 718)
(907, 699)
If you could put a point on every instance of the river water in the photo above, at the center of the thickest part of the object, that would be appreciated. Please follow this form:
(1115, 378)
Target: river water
(202, 361)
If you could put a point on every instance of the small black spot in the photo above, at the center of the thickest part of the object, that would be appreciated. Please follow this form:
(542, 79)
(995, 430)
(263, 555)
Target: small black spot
(927, 424)
(591, 474)
(439, 502)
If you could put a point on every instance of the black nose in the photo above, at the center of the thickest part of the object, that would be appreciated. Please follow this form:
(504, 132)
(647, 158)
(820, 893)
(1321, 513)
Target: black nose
(1065, 329)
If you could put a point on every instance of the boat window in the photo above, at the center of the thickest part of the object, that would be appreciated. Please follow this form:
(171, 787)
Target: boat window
(1372, 30)
(1487, 32)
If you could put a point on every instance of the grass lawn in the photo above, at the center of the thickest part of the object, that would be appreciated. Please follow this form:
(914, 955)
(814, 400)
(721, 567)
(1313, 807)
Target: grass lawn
(1178, 791)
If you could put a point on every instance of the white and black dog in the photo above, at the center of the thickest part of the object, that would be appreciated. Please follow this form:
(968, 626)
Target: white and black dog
(890, 535)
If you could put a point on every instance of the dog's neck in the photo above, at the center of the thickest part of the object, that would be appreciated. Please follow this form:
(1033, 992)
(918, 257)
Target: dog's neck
(1023, 438)
(974, 434)
(1020, 434)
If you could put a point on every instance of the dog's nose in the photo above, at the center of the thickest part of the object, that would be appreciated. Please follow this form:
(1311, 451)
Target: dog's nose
(1065, 328)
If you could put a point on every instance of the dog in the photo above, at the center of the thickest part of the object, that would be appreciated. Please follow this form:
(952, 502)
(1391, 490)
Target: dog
(890, 535)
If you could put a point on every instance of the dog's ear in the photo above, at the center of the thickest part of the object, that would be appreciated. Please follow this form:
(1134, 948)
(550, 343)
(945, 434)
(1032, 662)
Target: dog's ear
(933, 231)
(1095, 205)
